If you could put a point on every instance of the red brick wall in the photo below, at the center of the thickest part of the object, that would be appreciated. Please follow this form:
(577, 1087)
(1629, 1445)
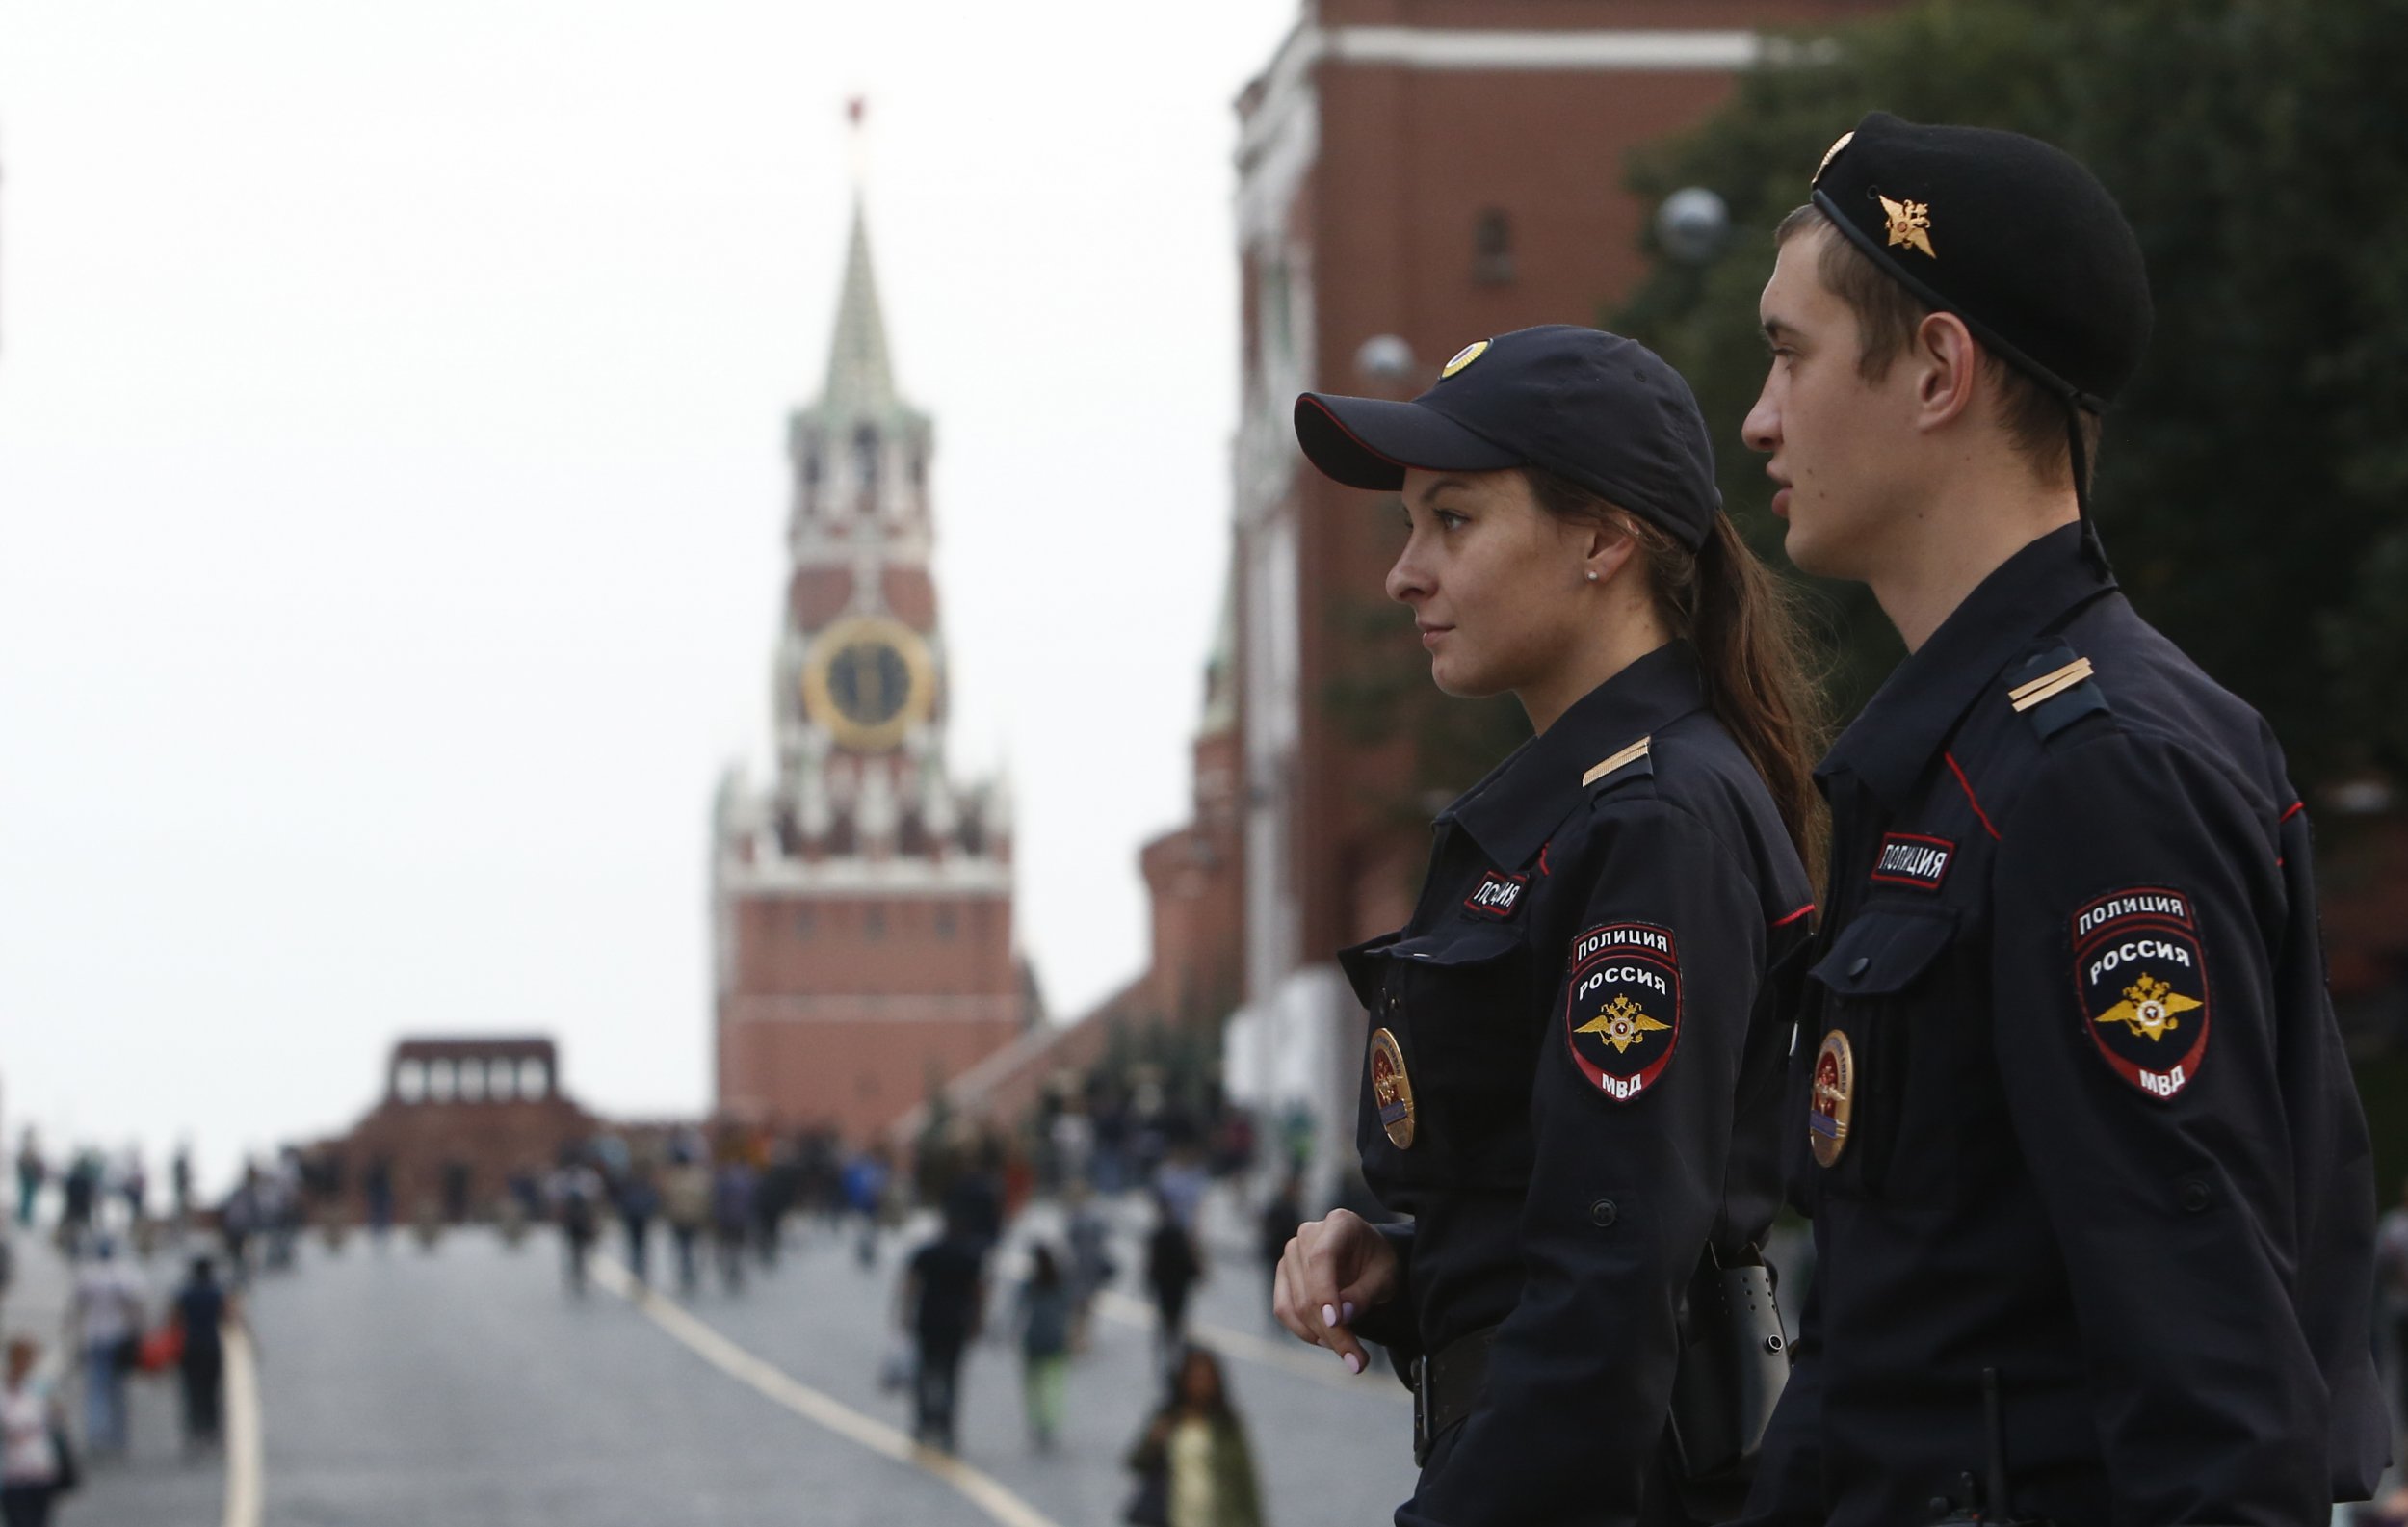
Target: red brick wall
(933, 946)
(842, 1011)
(858, 1064)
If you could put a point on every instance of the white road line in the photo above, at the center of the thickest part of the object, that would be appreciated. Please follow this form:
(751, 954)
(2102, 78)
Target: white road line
(244, 1471)
(1286, 1353)
(974, 1485)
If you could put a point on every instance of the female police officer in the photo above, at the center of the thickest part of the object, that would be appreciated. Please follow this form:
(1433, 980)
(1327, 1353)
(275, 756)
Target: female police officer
(1572, 1079)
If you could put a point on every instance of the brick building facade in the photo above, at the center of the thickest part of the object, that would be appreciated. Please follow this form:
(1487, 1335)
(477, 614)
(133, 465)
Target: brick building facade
(861, 903)
(1413, 175)
(458, 1118)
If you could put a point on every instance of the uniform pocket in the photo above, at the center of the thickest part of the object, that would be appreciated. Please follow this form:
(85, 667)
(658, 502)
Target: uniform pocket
(1463, 994)
(1878, 973)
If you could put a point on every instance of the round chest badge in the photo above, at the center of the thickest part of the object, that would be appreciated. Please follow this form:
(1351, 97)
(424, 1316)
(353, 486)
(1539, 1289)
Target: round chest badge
(1833, 1099)
(1464, 358)
(1391, 1091)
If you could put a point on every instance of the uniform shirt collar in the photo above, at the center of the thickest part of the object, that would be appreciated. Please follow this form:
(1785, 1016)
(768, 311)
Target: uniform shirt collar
(1512, 811)
(1910, 718)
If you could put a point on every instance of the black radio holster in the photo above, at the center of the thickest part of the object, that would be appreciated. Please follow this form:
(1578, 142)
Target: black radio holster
(1734, 1361)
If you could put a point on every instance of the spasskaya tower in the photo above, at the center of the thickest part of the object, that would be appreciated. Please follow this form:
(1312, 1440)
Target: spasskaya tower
(861, 903)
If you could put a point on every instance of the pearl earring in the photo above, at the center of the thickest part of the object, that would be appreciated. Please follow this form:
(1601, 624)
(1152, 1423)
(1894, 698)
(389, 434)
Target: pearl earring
(1592, 577)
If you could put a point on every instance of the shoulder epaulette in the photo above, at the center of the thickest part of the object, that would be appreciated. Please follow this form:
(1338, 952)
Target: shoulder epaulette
(2055, 690)
(1621, 764)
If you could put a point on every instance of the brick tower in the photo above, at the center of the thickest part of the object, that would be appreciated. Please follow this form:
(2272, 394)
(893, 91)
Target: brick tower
(861, 903)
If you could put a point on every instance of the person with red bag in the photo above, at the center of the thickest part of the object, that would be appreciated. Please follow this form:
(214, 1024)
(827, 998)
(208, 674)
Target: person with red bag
(203, 1310)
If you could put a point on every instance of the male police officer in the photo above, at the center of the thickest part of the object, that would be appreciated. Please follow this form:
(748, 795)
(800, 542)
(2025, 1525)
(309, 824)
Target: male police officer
(2090, 1185)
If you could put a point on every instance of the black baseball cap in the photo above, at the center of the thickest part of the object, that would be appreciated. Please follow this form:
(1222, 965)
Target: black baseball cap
(2012, 235)
(1595, 408)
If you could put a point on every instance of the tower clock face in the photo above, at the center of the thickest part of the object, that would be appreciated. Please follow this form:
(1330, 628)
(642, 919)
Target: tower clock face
(869, 680)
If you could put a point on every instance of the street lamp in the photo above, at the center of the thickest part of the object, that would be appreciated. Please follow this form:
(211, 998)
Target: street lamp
(1692, 224)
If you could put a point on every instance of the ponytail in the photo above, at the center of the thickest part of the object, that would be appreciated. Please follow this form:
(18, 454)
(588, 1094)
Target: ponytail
(1745, 625)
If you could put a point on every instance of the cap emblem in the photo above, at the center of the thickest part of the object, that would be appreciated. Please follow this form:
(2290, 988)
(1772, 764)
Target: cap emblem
(1464, 358)
(1829, 154)
(1910, 223)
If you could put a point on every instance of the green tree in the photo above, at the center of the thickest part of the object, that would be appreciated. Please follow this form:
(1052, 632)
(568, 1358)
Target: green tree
(2252, 479)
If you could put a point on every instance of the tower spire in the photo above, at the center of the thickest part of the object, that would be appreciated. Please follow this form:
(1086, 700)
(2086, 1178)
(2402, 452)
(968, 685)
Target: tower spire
(860, 374)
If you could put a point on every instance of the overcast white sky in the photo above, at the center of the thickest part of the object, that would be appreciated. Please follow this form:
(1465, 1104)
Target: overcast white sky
(391, 485)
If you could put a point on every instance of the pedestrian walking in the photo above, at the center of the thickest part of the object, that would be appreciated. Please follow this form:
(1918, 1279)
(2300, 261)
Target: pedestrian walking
(32, 1173)
(133, 1187)
(1089, 1236)
(109, 1318)
(79, 1197)
(942, 1305)
(35, 1466)
(638, 1203)
(180, 1174)
(201, 1314)
(577, 1204)
(1045, 1346)
(1173, 1267)
(732, 1190)
(865, 1180)
(1192, 1464)
(686, 1203)
(2091, 1189)
(1576, 1043)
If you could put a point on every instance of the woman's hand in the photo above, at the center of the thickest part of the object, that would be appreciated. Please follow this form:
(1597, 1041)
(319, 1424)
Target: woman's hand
(1332, 1270)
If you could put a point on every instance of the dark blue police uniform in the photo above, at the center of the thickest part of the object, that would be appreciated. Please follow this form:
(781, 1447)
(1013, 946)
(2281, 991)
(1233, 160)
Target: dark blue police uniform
(1572, 1087)
(2069, 1102)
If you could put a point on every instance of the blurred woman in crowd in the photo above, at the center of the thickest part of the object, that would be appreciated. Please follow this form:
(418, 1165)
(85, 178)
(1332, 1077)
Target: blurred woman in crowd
(33, 1467)
(1192, 1464)
(1045, 1309)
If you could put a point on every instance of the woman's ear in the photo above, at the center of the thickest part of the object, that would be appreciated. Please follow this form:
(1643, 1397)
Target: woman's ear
(1607, 547)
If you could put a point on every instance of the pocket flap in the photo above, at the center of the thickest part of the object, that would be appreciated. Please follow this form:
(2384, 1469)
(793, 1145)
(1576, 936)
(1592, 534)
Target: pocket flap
(1469, 944)
(1882, 951)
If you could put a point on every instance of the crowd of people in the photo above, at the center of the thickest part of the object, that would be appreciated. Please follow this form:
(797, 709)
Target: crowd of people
(1123, 1172)
(152, 1290)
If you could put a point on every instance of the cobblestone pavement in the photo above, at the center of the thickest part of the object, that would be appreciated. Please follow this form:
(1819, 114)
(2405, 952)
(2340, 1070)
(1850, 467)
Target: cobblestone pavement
(465, 1386)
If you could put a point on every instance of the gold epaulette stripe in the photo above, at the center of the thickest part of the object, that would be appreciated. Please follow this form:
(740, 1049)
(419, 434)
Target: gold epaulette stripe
(1631, 754)
(2048, 686)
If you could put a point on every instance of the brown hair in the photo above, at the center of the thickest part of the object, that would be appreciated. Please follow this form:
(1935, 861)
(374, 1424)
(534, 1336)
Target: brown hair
(1743, 622)
(1887, 316)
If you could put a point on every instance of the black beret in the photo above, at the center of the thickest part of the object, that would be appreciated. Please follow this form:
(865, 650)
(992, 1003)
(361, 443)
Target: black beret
(2008, 233)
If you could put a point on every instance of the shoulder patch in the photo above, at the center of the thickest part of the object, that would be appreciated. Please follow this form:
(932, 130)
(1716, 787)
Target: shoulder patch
(1498, 895)
(2141, 977)
(1616, 763)
(1622, 1016)
(2055, 690)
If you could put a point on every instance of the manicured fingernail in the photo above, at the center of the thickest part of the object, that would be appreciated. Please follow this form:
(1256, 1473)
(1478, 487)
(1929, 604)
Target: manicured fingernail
(1329, 1314)
(1354, 1363)
(1345, 1312)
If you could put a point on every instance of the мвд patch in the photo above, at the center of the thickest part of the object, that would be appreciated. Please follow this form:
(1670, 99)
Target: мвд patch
(1622, 1018)
(2141, 977)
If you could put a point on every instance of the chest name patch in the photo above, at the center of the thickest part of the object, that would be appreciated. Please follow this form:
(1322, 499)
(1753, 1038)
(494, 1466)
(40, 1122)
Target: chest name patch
(1497, 895)
(1622, 1018)
(1913, 858)
(2141, 975)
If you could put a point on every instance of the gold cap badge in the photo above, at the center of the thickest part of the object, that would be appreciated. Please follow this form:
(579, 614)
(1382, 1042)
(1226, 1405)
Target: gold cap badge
(1464, 358)
(1833, 1099)
(1391, 1091)
(1829, 154)
(1910, 223)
